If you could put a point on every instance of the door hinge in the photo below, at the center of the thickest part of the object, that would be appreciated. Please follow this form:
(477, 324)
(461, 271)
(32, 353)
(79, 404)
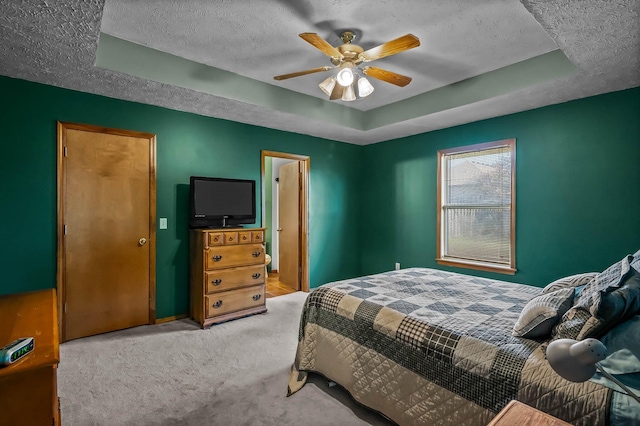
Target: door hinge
(65, 151)
(65, 230)
(65, 308)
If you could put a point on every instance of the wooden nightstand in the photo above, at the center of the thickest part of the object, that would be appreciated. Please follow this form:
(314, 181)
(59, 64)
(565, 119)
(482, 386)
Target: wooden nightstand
(517, 413)
(29, 387)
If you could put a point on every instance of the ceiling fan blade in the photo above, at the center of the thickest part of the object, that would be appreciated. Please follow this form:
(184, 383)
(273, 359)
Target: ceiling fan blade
(392, 47)
(299, 73)
(336, 93)
(321, 44)
(388, 76)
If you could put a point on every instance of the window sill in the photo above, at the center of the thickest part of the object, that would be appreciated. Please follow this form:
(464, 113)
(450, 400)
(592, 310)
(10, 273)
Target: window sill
(480, 266)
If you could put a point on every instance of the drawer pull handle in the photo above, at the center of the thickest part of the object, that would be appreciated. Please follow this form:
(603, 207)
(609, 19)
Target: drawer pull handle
(217, 258)
(217, 281)
(256, 297)
(256, 276)
(217, 304)
(256, 254)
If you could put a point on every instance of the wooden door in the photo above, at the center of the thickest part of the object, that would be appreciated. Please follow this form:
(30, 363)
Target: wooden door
(289, 225)
(107, 184)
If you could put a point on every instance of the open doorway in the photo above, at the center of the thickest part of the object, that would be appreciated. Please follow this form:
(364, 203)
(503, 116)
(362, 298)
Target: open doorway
(285, 183)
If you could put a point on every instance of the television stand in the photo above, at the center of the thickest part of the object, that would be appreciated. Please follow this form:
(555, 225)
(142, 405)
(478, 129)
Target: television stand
(229, 225)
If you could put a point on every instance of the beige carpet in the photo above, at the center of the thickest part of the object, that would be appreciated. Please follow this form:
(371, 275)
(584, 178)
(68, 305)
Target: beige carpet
(177, 374)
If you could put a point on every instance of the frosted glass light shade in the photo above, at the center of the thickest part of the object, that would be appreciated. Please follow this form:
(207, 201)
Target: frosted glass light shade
(345, 77)
(573, 360)
(327, 85)
(349, 93)
(364, 87)
(577, 361)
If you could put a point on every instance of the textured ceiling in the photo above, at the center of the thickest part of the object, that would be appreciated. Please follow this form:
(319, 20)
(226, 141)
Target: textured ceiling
(259, 39)
(57, 44)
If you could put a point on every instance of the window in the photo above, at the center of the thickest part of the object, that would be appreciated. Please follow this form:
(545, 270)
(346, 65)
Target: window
(476, 206)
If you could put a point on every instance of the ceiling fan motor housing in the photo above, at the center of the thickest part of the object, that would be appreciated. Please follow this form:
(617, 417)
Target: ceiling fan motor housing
(348, 56)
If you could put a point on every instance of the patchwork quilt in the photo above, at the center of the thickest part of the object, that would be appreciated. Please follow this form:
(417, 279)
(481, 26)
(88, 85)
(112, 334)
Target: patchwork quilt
(424, 346)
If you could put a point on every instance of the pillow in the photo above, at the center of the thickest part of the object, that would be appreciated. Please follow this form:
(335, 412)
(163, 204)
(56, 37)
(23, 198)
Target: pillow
(613, 306)
(622, 361)
(542, 312)
(623, 348)
(574, 320)
(570, 281)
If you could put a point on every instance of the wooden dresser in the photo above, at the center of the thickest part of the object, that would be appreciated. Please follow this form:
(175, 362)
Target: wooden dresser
(227, 274)
(28, 388)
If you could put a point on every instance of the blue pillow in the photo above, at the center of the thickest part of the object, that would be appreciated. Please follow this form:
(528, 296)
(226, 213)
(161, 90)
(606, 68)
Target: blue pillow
(623, 348)
(623, 361)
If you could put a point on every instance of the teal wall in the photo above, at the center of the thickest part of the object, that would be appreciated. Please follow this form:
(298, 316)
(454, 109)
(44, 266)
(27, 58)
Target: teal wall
(187, 144)
(577, 180)
(577, 189)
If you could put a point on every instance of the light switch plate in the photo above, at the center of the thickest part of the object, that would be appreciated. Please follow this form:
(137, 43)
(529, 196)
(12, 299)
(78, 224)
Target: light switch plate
(163, 223)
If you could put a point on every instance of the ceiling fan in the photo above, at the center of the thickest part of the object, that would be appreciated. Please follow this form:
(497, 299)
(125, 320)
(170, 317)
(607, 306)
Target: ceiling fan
(348, 58)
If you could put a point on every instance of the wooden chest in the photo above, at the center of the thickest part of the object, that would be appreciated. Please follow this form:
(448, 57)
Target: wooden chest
(228, 274)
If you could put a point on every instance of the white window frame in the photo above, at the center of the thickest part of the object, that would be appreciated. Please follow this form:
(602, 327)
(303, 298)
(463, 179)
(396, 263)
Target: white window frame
(483, 265)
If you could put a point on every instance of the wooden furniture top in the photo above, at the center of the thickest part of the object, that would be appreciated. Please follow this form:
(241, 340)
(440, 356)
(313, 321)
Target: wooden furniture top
(517, 413)
(32, 314)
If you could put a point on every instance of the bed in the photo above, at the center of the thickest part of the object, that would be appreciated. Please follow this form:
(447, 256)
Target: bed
(425, 346)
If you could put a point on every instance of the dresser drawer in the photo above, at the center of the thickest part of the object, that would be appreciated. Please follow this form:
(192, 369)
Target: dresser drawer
(228, 279)
(244, 237)
(231, 237)
(216, 238)
(234, 300)
(237, 255)
(257, 236)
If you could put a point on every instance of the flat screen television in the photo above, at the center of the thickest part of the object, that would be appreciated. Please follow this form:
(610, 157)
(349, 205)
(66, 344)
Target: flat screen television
(221, 203)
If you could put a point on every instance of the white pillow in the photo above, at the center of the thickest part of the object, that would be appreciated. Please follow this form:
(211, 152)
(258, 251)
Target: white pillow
(571, 281)
(542, 312)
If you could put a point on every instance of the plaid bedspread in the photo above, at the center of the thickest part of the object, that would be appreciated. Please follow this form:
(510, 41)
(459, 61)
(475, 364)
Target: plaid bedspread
(424, 346)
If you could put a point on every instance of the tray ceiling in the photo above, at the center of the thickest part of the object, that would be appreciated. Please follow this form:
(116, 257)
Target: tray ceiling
(217, 58)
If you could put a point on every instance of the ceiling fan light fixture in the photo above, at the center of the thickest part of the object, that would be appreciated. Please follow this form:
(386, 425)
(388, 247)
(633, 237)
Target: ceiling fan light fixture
(345, 77)
(349, 93)
(347, 59)
(327, 85)
(364, 87)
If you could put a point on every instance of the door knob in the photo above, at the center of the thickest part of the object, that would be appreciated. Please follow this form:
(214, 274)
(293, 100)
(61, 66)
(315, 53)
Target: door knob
(142, 241)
